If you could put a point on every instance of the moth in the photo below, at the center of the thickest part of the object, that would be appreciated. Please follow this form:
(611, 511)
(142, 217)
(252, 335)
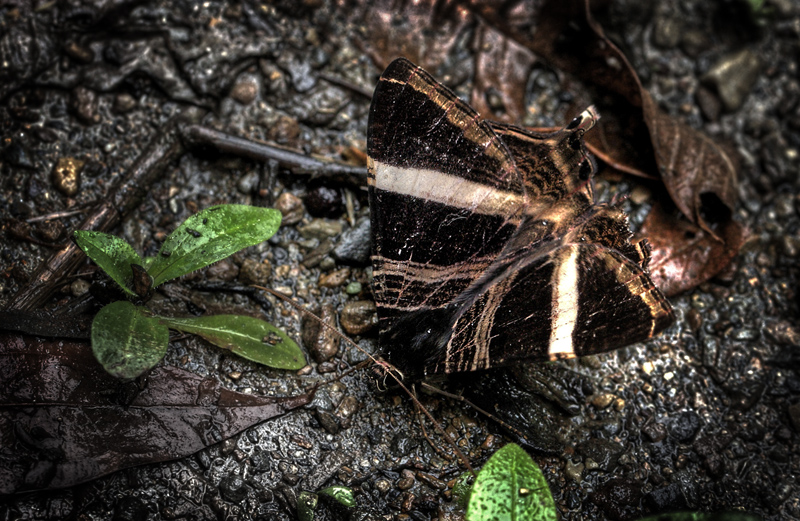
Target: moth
(488, 245)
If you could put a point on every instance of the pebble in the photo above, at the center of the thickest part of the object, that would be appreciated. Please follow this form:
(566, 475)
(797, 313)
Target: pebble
(255, 272)
(50, 231)
(83, 103)
(322, 342)
(335, 278)
(291, 208)
(601, 401)
(406, 480)
(655, 431)
(79, 53)
(733, 77)
(667, 32)
(574, 471)
(320, 229)
(359, 316)
(245, 90)
(123, 103)
(684, 426)
(346, 410)
(79, 287)
(225, 270)
(603, 454)
(324, 201)
(354, 244)
(353, 288)
(248, 183)
(67, 175)
(382, 485)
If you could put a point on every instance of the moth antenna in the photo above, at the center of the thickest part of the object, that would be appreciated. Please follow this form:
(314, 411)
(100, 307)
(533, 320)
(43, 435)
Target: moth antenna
(382, 363)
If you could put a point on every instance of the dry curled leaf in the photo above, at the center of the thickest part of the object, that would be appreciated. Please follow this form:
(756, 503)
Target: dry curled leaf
(64, 420)
(683, 254)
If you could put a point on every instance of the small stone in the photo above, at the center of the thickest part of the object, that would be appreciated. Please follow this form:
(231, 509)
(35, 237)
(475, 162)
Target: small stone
(601, 401)
(406, 480)
(619, 404)
(353, 288)
(319, 254)
(656, 432)
(574, 471)
(67, 175)
(354, 245)
(248, 183)
(694, 42)
(83, 103)
(382, 485)
(235, 375)
(359, 316)
(335, 278)
(233, 488)
(123, 103)
(324, 201)
(667, 32)
(733, 77)
(431, 480)
(710, 104)
(322, 342)
(284, 130)
(291, 207)
(254, 272)
(320, 229)
(603, 453)
(225, 270)
(79, 53)
(640, 194)
(328, 421)
(245, 90)
(50, 231)
(346, 409)
(684, 426)
(79, 287)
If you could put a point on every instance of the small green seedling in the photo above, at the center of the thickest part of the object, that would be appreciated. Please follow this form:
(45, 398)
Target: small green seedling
(307, 501)
(128, 339)
(510, 487)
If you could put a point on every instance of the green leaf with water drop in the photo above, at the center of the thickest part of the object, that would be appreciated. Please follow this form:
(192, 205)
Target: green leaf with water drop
(510, 487)
(343, 495)
(248, 337)
(126, 340)
(112, 254)
(210, 236)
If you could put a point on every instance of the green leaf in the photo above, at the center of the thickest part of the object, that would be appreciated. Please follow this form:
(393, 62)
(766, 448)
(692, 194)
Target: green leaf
(112, 254)
(248, 337)
(306, 504)
(212, 235)
(343, 495)
(702, 516)
(126, 340)
(511, 487)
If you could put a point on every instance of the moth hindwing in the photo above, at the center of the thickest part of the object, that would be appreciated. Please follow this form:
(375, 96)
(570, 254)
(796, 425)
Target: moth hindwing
(488, 245)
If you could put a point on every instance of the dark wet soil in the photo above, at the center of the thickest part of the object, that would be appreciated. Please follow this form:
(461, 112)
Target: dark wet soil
(704, 417)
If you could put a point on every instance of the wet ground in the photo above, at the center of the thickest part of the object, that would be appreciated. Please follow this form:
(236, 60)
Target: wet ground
(704, 417)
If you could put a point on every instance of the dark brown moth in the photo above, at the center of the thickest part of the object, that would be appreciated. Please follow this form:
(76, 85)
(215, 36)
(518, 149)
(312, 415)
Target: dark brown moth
(488, 245)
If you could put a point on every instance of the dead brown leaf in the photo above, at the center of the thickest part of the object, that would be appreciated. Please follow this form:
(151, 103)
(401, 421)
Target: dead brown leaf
(64, 420)
(683, 254)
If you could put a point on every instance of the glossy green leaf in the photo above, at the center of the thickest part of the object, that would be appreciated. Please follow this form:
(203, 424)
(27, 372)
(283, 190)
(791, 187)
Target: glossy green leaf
(248, 337)
(126, 340)
(511, 487)
(112, 254)
(703, 516)
(343, 495)
(212, 235)
(306, 504)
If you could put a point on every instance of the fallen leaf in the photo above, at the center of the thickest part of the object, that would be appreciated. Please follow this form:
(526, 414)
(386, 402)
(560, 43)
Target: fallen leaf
(683, 254)
(64, 420)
